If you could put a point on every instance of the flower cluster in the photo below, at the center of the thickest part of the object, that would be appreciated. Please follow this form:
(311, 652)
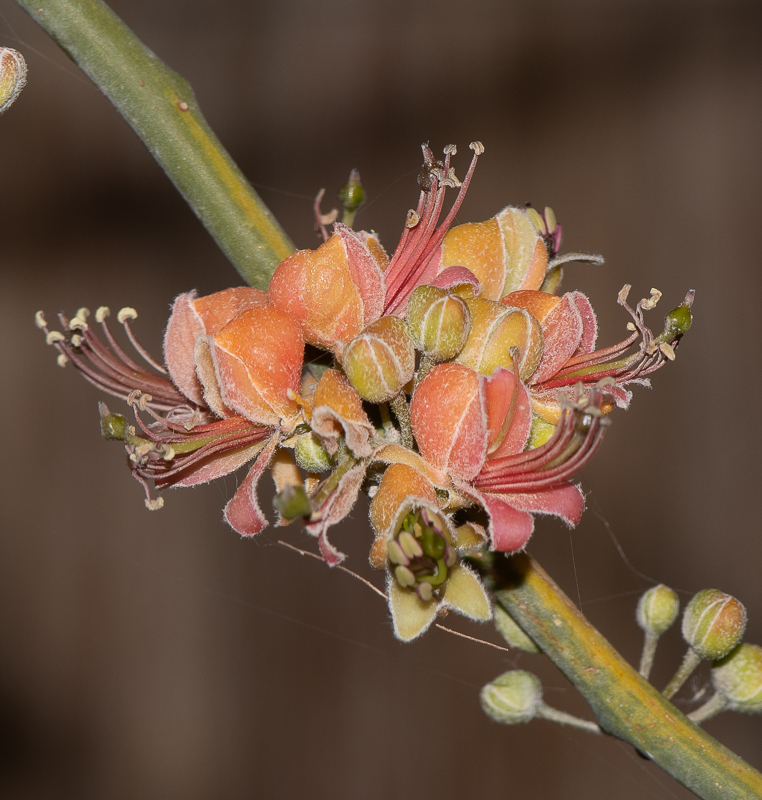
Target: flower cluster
(448, 381)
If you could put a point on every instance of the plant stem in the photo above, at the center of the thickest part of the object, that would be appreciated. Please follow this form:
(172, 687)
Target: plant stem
(711, 708)
(626, 705)
(649, 651)
(690, 662)
(561, 717)
(402, 412)
(161, 108)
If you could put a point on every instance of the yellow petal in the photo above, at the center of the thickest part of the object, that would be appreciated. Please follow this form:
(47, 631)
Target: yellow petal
(410, 616)
(465, 594)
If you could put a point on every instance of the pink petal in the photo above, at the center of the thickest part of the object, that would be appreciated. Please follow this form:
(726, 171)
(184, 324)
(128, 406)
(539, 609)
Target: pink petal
(243, 513)
(565, 501)
(562, 333)
(589, 322)
(499, 389)
(334, 509)
(509, 528)
(183, 328)
(456, 276)
(219, 466)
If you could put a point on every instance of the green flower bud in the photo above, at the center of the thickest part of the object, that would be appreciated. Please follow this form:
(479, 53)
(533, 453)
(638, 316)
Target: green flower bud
(511, 632)
(310, 454)
(439, 322)
(657, 609)
(352, 194)
(713, 623)
(292, 502)
(513, 697)
(738, 678)
(379, 361)
(113, 426)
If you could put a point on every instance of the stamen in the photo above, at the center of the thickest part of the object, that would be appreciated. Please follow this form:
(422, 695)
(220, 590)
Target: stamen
(62, 360)
(39, 320)
(102, 313)
(53, 337)
(125, 314)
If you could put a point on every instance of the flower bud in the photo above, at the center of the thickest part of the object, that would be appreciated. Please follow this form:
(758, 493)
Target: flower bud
(512, 633)
(380, 360)
(310, 454)
(292, 502)
(713, 623)
(513, 697)
(657, 609)
(12, 76)
(495, 330)
(738, 678)
(439, 322)
(113, 426)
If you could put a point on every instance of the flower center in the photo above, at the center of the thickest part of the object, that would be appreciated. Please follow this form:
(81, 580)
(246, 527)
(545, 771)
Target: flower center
(420, 555)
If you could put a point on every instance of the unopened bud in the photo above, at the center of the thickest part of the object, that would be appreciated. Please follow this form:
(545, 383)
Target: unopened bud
(113, 426)
(439, 322)
(496, 330)
(658, 609)
(310, 454)
(381, 360)
(292, 502)
(352, 194)
(512, 698)
(738, 678)
(713, 623)
(678, 321)
(12, 76)
(512, 633)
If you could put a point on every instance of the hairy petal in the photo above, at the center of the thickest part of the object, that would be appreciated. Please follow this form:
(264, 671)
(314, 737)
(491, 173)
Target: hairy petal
(410, 616)
(243, 513)
(337, 409)
(448, 418)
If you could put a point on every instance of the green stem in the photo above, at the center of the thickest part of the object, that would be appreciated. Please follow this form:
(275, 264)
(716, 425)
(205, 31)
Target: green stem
(711, 708)
(161, 108)
(686, 669)
(625, 704)
(562, 718)
(649, 651)
(402, 412)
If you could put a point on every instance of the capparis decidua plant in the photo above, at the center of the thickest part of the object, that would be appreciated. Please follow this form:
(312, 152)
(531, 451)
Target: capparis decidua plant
(448, 379)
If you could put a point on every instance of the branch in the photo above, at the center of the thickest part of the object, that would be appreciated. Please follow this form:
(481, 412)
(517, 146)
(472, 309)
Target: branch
(161, 108)
(626, 705)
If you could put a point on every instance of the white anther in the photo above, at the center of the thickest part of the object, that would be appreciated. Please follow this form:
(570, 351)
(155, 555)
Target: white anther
(39, 320)
(631, 326)
(83, 313)
(76, 340)
(625, 291)
(154, 505)
(125, 314)
(454, 178)
(78, 324)
(62, 360)
(477, 147)
(54, 337)
(412, 219)
(133, 397)
(143, 401)
(668, 350)
(166, 451)
(651, 301)
(450, 150)
(102, 313)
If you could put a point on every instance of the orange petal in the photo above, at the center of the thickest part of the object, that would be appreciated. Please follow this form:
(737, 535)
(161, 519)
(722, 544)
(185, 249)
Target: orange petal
(258, 358)
(448, 420)
(337, 410)
(334, 291)
(193, 316)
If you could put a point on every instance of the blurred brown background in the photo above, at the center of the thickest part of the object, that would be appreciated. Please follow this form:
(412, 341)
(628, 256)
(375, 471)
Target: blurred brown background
(157, 655)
